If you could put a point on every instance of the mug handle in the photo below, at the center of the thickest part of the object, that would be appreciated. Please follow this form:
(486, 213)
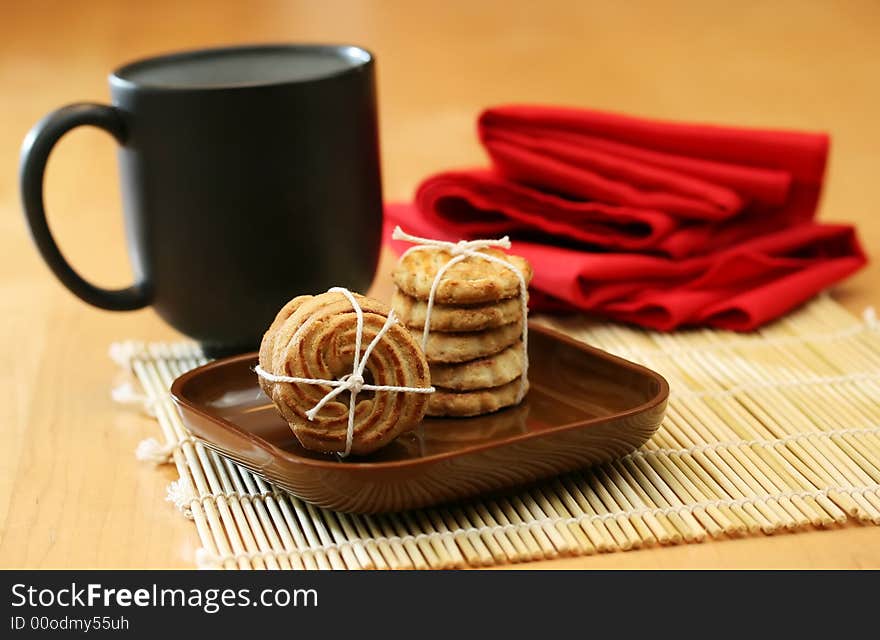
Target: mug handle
(35, 152)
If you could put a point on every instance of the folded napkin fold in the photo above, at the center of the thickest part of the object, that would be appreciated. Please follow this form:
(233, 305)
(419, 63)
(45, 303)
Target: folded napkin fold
(657, 223)
(700, 172)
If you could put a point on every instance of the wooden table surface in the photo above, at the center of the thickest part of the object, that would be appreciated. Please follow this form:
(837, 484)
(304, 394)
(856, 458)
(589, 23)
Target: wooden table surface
(71, 492)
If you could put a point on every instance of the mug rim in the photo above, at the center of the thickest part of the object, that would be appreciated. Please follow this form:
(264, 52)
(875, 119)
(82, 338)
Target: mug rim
(359, 56)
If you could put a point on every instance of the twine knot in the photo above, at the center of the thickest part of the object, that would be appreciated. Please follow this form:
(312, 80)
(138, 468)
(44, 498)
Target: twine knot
(354, 382)
(459, 248)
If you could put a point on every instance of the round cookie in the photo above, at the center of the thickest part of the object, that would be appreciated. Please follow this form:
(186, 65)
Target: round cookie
(471, 403)
(471, 281)
(313, 337)
(484, 373)
(451, 318)
(461, 347)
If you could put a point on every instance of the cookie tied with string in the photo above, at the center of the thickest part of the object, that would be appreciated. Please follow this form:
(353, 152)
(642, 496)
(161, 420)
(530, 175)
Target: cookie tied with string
(344, 375)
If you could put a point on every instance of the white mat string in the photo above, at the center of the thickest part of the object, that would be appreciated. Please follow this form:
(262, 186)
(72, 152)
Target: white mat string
(460, 251)
(353, 382)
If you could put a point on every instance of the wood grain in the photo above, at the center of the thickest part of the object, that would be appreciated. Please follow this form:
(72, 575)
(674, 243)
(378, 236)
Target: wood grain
(71, 493)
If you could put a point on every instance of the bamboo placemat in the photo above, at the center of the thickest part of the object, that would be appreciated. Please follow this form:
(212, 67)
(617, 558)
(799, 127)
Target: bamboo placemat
(766, 432)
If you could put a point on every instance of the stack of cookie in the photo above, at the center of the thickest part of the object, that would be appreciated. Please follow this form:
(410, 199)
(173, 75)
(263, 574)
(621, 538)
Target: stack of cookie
(474, 347)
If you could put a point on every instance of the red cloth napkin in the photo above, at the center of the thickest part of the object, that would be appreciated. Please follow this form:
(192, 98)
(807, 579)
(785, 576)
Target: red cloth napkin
(624, 183)
(739, 288)
(657, 223)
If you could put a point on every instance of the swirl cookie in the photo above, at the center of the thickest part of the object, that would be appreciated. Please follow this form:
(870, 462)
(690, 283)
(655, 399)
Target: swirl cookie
(313, 337)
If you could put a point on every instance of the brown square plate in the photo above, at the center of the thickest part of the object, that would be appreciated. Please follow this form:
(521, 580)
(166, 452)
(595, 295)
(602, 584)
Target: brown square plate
(584, 407)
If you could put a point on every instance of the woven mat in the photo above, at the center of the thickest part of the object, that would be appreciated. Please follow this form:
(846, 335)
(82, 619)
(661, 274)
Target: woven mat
(768, 432)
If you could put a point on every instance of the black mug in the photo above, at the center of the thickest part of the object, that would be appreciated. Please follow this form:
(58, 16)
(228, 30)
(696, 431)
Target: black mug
(249, 175)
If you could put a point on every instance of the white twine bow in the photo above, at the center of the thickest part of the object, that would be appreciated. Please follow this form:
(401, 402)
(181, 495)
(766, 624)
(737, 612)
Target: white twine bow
(459, 251)
(352, 382)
